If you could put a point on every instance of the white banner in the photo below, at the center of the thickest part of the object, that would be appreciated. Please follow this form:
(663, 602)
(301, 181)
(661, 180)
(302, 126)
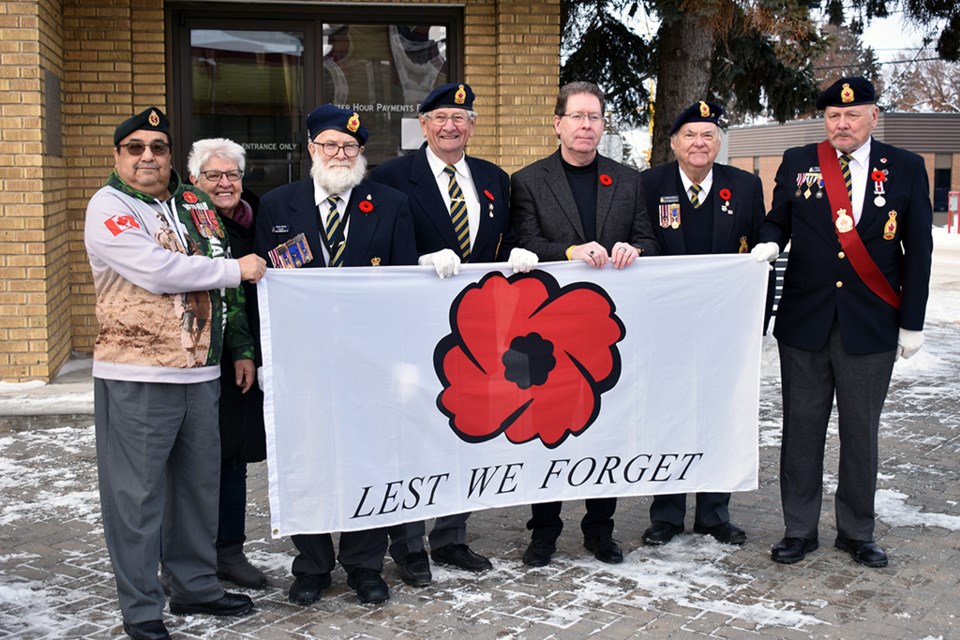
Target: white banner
(393, 395)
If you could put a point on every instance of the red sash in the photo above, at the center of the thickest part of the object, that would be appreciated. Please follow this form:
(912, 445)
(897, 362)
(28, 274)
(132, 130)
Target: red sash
(850, 240)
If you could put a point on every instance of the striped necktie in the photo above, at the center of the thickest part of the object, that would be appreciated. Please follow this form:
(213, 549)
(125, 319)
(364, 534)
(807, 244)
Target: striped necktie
(458, 212)
(847, 176)
(335, 239)
(695, 195)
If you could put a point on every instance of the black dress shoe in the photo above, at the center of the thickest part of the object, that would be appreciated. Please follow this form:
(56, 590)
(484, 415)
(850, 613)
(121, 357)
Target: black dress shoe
(725, 532)
(460, 555)
(148, 630)
(370, 587)
(306, 587)
(604, 549)
(538, 553)
(866, 552)
(229, 604)
(790, 550)
(414, 569)
(660, 532)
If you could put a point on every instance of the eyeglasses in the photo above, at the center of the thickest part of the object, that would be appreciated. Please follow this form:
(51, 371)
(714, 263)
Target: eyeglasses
(440, 119)
(214, 176)
(580, 117)
(331, 149)
(136, 148)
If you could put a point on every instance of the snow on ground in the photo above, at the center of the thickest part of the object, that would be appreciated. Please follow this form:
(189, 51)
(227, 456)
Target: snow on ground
(55, 579)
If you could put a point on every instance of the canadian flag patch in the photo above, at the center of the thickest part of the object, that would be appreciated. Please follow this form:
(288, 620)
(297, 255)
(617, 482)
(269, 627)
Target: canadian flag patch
(119, 223)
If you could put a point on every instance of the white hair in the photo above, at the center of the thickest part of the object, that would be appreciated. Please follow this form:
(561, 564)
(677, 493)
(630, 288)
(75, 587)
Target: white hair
(203, 150)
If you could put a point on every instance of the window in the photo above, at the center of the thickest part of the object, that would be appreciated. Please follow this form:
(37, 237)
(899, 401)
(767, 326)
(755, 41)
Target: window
(252, 74)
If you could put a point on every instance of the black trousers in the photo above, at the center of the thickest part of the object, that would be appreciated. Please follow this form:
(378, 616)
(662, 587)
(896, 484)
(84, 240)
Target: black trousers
(546, 524)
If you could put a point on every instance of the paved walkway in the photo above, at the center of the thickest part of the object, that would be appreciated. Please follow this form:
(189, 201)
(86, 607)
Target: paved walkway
(55, 578)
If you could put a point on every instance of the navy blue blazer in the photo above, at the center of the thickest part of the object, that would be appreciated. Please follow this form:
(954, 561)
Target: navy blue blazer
(745, 205)
(820, 283)
(431, 218)
(383, 236)
(546, 220)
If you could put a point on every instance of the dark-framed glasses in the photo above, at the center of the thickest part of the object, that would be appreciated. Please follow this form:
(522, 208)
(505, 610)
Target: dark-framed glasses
(214, 176)
(136, 147)
(330, 149)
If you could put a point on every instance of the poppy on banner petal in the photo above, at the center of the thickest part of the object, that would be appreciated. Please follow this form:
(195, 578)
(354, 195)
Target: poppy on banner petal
(527, 358)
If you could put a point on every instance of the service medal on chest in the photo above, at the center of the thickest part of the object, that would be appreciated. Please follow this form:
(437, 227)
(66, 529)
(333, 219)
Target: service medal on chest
(844, 222)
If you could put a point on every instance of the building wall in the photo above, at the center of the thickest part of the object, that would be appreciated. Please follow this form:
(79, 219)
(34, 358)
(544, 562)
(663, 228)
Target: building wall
(110, 59)
(34, 231)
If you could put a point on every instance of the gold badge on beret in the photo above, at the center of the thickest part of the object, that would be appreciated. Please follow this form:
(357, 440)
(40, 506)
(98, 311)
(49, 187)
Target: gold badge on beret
(460, 96)
(353, 123)
(846, 94)
(153, 119)
(704, 109)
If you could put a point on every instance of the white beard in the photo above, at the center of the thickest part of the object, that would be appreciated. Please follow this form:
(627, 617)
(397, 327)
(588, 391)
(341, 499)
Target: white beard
(337, 179)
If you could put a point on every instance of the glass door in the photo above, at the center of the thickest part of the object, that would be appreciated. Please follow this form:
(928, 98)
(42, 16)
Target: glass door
(254, 73)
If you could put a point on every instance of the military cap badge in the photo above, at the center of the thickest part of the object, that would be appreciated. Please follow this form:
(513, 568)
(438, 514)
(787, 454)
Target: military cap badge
(460, 96)
(153, 119)
(704, 110)
(353, 123)
(846, 94)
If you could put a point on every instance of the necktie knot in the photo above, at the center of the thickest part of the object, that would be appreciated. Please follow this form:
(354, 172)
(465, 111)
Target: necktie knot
(695, 191)
(451, 171)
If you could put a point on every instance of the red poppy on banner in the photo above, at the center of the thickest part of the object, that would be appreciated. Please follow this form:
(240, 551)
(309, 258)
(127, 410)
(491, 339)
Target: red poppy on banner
(527, 358)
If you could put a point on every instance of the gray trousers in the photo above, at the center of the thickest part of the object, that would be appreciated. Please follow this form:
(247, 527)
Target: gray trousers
(810, 379)
(408, 537)
(158, 460)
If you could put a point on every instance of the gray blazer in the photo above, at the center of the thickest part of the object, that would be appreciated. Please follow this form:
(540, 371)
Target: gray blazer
(545, 219)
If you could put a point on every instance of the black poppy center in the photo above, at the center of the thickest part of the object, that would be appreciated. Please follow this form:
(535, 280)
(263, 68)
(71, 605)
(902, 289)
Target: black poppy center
(529, 360)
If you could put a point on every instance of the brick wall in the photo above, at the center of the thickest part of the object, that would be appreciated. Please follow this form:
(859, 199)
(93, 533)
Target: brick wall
(99, 50)
(34, 242)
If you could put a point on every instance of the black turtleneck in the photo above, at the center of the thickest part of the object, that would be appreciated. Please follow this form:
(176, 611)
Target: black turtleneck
(583, 184)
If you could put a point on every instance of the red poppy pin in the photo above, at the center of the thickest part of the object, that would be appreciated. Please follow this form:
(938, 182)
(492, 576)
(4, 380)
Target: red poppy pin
(878, 176)
(189, 197)
(366, 206)
(527, 358)
(725, 195)
(605, 180)
(489, 195)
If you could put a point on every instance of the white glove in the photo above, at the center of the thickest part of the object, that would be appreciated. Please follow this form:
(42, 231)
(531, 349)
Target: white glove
(522, 261)
(908, 343)
(766, 251)
(445, 261)
(260, 378)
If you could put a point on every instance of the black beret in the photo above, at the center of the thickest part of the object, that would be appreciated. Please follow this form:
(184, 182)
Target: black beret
(847, 92)
(455, 96)
(698, 112)
(328, 116)
(150, 119)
